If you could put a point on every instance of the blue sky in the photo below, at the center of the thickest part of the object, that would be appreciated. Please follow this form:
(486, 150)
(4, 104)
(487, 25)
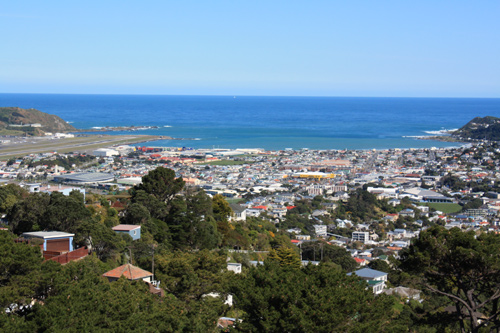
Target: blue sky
(304, 48)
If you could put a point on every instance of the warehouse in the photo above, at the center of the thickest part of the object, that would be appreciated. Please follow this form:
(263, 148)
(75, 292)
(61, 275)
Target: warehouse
(105, 152)
(83, 178)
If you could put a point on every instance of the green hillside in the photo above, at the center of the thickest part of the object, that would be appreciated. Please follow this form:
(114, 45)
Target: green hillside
(14, 120)
(486, 128)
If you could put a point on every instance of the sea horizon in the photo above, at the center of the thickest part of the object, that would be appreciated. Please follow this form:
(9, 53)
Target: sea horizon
(268, 122)
(249, 95)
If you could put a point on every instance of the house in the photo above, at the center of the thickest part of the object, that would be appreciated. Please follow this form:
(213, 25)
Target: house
(234, 267)
(394, 202)
(376, 279)
(57, 241)
(407, 212)
(401, 244)
(132, 230)
(309, 262)
(396, 234)
(303, 237)
(253, 211)
(239, 212)
(130, 272)
(56, 246)
(361, 261)
(370, 274)
(403, 292)
(133, 273)
(320, 230)
(279, 212)
(319, 212)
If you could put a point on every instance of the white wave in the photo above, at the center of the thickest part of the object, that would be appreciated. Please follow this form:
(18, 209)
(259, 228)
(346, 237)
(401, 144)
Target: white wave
(416, 136)
(441, 131)
(69, 122)
(197, 139)
(97, 127)
(167, 126)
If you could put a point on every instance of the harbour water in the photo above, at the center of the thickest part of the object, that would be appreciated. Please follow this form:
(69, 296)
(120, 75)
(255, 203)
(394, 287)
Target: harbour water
(268, 122)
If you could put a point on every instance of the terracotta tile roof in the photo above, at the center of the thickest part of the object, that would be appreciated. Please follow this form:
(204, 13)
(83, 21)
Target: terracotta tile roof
(129, 271)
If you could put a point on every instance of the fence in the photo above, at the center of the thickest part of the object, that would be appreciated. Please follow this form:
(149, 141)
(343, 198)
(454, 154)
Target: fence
(66, 257)
(29, 241)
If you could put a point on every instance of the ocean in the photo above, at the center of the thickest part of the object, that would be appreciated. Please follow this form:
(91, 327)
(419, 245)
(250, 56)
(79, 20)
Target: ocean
(268, 122)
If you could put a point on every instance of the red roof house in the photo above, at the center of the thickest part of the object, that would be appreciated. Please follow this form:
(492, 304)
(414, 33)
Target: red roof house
(130, 272)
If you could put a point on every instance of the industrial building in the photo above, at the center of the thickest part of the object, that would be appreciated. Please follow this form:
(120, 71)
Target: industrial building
(83, 178)
(105, 152)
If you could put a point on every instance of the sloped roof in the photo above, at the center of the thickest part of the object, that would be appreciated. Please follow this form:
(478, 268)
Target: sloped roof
(368, 273)
(237, 208)
(130, 272)
(402, 291)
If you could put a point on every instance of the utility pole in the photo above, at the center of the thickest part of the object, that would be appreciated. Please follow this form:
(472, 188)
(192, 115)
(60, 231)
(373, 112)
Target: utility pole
(130, 255)
(153, 263)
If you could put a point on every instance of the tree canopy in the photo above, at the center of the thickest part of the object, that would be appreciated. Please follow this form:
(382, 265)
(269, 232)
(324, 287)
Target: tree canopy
(160, 183)
(312, 299)
(463, 267)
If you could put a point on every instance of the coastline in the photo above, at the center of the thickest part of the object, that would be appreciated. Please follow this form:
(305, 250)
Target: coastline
(442, 138)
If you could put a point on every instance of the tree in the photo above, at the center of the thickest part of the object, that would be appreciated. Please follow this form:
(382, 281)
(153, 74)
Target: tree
(161, 183)
(191, 223)
(285, 257)
(156, 208)
(380, 265)
(329, 253)
(19, 268)
(9, 195)
(64, 213)
(27, 215)
(94, 304)
(221, 208)
(189, 276)
(136, 214)
(312, 299)
(473, 204)
(463, 267)
(100, 239)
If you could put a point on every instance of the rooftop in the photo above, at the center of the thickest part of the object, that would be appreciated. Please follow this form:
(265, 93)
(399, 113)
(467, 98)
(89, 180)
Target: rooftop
(126, 227)
(130, 272)
(368, 273)
(47, 234)
(86, 177)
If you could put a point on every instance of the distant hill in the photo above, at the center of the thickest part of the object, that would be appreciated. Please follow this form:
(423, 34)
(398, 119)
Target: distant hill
(31, 121)
(487, 128)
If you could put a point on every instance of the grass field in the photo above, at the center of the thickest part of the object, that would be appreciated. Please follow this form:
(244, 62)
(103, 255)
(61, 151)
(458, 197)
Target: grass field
(11, 132)
(227, 162)
(447, 208)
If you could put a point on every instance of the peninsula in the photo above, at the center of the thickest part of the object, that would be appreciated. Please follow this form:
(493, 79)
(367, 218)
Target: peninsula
(30, 131)
(30, 122)
(478, 129)
(486, 128)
